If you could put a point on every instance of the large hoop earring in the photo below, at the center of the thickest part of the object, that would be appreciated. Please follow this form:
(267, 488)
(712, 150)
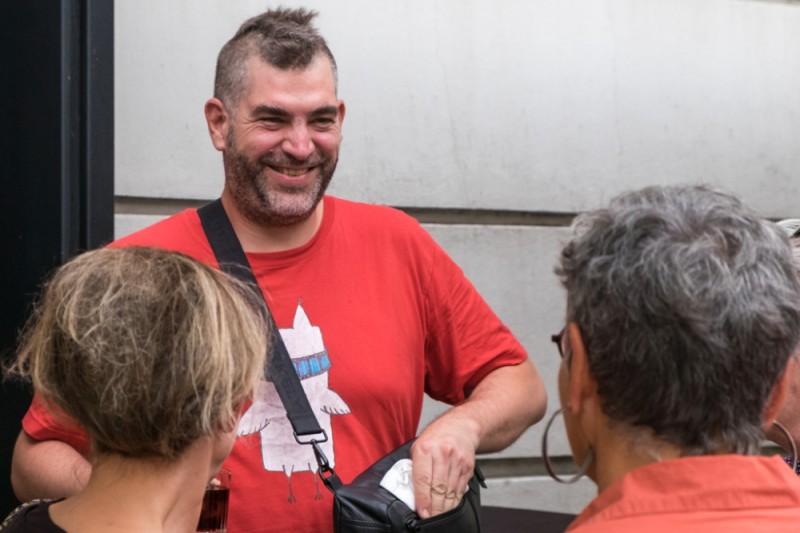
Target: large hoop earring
(587, 462)
(791, 441)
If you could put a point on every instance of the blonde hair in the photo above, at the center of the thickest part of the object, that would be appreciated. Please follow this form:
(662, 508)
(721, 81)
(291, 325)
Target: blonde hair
(148, 350)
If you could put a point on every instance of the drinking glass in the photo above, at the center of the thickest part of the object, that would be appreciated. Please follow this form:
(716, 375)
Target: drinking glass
(214, 515)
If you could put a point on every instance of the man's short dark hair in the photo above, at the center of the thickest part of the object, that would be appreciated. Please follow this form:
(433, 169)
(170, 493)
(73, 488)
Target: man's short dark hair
(281, 37)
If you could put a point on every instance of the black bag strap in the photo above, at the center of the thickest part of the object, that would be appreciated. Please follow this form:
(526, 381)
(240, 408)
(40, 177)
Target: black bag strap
(278, 368)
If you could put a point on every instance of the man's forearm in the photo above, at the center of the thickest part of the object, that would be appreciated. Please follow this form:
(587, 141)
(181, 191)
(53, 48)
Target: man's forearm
(504, 404)
(47, 469)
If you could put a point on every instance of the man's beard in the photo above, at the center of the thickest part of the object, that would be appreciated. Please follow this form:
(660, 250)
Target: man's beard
(269, 206)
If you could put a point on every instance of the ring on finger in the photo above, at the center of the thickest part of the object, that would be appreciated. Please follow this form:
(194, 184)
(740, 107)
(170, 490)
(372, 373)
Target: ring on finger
(439, 491)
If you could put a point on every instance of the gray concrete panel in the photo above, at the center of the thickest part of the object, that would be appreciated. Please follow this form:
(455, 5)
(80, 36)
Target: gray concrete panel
(541, 105)
(539, 492)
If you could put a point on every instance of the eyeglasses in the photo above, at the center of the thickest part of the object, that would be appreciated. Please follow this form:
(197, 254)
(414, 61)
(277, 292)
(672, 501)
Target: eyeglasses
(559, 340)
(791, 225)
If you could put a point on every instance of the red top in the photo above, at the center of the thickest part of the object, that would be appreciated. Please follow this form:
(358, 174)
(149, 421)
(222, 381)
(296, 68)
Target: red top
(374, 314)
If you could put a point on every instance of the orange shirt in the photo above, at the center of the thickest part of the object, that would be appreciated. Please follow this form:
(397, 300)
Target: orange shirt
(726, 493)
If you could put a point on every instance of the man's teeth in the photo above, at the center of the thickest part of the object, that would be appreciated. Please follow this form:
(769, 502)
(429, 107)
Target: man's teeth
(292, 171)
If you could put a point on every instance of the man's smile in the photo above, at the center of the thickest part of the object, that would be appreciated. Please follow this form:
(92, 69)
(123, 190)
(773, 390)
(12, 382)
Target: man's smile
(292, 172)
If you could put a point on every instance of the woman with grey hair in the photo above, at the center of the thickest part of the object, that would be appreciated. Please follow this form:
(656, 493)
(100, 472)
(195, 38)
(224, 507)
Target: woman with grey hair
(683, 311)
(155, 355)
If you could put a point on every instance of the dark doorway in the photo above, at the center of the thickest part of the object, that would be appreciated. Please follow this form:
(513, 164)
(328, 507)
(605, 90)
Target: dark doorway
(56, 162)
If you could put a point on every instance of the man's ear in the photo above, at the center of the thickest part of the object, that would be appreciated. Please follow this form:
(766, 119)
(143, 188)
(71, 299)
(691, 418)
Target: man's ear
(217, 120)
(581, 382)
(778, 394)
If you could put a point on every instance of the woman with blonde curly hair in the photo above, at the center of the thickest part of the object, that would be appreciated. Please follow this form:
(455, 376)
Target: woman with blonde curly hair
(154, 355)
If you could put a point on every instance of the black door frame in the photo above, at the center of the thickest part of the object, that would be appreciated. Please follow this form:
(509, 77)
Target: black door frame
(56, 162)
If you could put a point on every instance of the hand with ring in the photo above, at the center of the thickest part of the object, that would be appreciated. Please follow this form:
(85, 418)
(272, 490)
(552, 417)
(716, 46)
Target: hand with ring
(443, 461)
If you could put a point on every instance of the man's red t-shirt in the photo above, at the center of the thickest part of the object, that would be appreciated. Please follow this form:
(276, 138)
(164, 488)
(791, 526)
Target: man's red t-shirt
(374, 314)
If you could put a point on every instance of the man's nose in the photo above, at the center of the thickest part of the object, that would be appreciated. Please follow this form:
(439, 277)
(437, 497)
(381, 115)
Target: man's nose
(298, 142)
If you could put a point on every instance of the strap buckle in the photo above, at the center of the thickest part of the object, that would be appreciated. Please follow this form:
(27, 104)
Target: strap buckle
(322, 460)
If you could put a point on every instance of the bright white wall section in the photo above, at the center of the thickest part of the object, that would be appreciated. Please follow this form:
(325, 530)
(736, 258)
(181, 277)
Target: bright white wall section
(537, 105)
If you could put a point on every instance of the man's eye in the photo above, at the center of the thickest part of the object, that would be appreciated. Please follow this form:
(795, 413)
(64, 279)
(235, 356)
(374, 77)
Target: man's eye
(270, 121)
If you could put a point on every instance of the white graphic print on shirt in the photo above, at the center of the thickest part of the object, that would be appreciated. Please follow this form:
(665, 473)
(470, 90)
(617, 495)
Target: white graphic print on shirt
(267, 416)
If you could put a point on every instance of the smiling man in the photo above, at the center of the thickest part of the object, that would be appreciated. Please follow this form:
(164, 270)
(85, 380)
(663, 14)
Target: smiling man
(280, 142)
(373, 312)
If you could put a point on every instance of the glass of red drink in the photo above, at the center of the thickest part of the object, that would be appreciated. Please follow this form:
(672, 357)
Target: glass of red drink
(214, 514)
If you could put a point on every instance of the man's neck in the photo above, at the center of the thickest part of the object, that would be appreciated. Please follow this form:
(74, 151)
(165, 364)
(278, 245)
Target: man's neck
(256, 238)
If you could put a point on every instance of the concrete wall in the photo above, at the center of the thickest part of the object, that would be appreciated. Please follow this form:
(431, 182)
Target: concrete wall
(499, 120)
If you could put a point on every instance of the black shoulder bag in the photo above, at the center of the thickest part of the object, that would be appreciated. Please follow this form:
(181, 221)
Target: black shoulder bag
(362, 506)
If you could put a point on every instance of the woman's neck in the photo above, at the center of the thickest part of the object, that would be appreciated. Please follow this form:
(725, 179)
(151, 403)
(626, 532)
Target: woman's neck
(132, 495)
(620, 450)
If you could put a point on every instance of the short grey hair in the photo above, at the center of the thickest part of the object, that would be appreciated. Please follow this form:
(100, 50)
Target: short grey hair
(689, 309)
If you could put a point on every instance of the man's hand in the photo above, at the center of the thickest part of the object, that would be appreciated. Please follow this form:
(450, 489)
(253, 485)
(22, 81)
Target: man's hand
(504, 404)
(443, 462)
